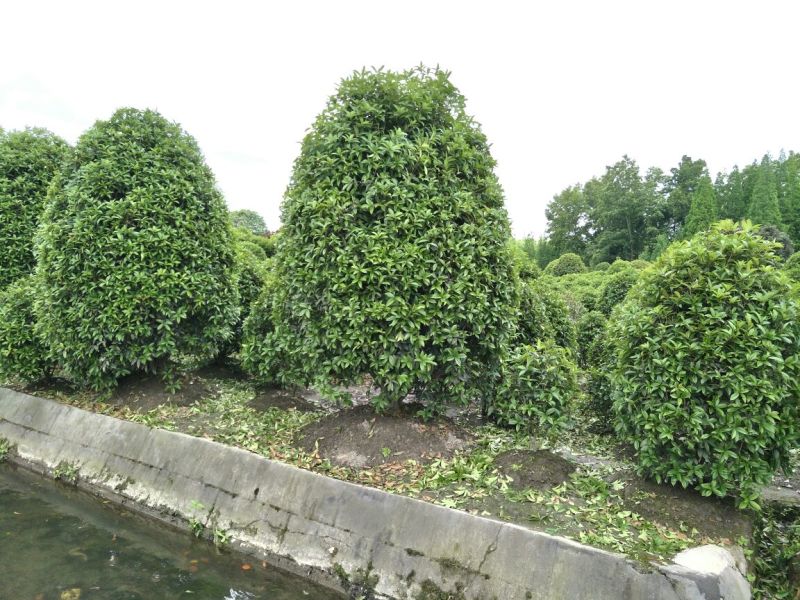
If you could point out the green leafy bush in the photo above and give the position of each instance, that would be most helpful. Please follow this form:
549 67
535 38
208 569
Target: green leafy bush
601 266
565 265
616 289
265 242
28 161
392 260
250 272
792 266
23 356
543 315
526 267
583 287
135 252
639 264
708 375
538 384
590 329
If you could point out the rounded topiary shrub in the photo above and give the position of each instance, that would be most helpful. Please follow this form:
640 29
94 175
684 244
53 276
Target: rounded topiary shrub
135 252
601 266
28 161
616 288
543 315
708 364
539 382
23 355
565 265
392 260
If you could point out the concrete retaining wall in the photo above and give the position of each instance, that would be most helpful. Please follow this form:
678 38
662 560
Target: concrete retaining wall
401 547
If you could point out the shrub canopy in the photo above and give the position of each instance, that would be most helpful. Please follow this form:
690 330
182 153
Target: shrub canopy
539 383
23 356
565 264
28 161
135 252
393 257
707 384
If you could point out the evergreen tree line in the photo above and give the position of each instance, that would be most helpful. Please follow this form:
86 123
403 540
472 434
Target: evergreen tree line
628 214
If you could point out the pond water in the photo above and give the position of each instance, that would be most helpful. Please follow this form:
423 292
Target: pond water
60 544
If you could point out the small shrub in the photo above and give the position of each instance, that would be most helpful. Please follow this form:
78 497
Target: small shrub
393 258
601 266
266 243
544 315
708 364
590 329
538 384
134 252
565 265
618 265
639 264
250 274
616 289
525 267
23 355
28 161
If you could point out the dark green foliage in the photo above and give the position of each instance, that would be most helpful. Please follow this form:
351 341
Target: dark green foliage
703 210
707 382
599 369
764 208
601 266
23 356
135 252
773 234
250 271
615 289
565 264
792 266
538 384
248 220
393 260
543 315
28 161
776 560
590 329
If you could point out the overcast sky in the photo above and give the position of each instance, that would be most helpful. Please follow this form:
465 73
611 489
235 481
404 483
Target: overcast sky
561 89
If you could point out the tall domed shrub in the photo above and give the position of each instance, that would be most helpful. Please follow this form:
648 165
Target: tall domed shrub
707 387
135 252
393 258
566 264
28 161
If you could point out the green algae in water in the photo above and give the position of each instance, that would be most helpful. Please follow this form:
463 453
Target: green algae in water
54 541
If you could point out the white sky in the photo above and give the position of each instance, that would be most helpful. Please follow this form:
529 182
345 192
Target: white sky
562 89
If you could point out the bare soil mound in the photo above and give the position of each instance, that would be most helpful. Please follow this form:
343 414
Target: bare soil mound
282 399
358 437
537 469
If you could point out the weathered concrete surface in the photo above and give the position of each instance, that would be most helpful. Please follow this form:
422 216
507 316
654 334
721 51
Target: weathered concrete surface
398 544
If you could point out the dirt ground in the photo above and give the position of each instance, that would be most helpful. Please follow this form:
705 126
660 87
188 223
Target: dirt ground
357 437
282 399
536 469
146 392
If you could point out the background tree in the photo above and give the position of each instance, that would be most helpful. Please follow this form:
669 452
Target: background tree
703 211
393 260
568 222
249 220
28 161
764 207
135 253
680 189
